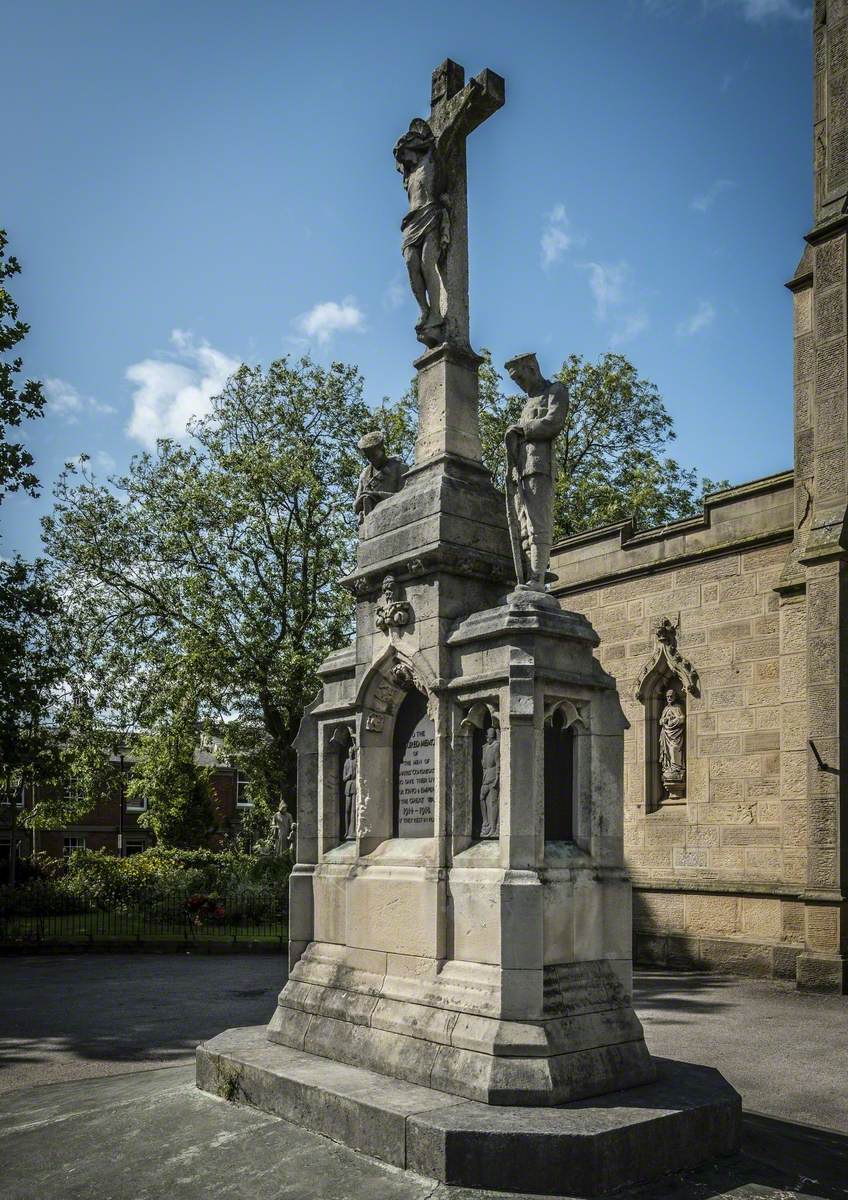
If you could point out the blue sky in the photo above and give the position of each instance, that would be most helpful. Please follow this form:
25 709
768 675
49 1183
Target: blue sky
189 185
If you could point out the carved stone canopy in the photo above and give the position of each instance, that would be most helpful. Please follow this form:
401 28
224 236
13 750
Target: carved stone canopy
572 714
666 655
476 715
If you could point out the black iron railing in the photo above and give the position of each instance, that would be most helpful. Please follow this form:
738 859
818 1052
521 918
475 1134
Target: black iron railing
34 915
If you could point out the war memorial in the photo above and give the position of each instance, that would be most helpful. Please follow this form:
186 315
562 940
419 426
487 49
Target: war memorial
459 991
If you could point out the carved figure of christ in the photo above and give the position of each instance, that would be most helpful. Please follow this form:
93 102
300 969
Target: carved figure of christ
432 159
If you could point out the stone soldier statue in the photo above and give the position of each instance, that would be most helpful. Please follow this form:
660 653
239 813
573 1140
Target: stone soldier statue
426 227
349 779
672 743
283 827
381 478
491 787
530 469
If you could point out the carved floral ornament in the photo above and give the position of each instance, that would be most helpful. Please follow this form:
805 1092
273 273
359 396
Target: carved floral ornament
391 612
666 653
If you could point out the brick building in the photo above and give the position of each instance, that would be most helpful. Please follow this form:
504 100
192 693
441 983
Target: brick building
739 857
113 824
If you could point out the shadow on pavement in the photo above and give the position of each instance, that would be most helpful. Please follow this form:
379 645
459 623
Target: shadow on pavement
66 1017
682 993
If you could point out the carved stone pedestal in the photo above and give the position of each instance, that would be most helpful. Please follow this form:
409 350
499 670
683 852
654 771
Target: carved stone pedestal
498 970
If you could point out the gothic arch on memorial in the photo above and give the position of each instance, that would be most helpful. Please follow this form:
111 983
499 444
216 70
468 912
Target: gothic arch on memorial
339 741
395 685
476 718
562 724
662 687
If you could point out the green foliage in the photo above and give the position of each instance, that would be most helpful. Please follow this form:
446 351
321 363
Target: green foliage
18 402
612 465
218 562
177 791
95 879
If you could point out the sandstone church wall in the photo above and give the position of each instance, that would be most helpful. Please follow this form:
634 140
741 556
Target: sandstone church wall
718 878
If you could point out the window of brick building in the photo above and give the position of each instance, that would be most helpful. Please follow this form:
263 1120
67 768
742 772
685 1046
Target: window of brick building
137 804
69 844
134 847
73 793
243 799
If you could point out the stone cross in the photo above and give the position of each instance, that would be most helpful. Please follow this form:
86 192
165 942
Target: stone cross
456 109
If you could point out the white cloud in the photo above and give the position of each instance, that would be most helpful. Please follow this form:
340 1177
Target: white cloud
701 319
329 317
754 11
632 325
613 294
395 294
556 236
708 198
762 10
67 402
104 461
606 283
168 394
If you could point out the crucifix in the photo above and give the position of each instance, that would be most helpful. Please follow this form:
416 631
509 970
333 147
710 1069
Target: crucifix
431 158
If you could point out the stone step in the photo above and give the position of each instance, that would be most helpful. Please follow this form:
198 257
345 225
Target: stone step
689 1116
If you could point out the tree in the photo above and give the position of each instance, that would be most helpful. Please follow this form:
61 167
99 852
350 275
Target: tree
18 402
610 454
218 562
52 750
177 791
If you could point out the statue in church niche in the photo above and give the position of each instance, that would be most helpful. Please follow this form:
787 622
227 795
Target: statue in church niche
350 788
672 744
530 470
426 227
382 477
490 789
391 612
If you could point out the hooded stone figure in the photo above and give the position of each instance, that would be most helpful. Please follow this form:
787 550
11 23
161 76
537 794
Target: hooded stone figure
382 476
531 468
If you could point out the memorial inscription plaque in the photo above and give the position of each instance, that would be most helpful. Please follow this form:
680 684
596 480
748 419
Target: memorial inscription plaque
415 769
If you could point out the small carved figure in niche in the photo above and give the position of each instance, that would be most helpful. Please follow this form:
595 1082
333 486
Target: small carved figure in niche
672 744
381 478
391 611
283 830
530 469
490 789
349 778
426 227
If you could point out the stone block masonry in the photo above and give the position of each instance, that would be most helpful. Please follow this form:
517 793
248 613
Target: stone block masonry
722 880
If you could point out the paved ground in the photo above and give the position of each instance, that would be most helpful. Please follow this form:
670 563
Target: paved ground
150 1134
76 1015
786 1053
